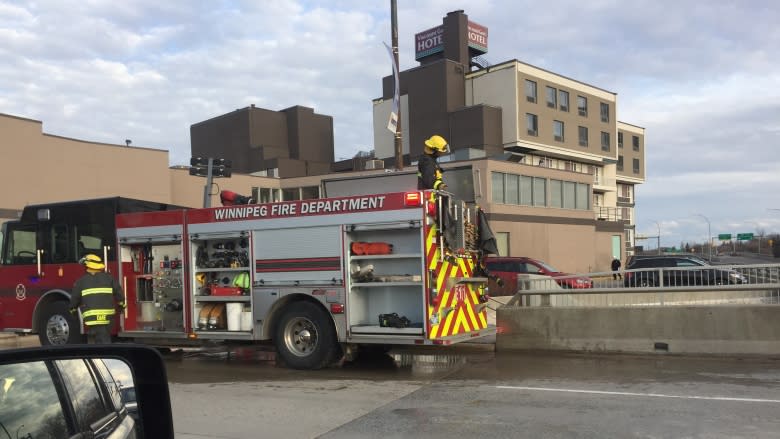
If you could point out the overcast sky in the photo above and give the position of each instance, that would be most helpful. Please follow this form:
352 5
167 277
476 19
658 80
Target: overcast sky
703 78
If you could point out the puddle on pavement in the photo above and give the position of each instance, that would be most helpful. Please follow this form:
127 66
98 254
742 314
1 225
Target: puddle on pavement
250 364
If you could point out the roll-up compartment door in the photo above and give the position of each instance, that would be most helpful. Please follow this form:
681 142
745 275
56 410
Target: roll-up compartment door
310 255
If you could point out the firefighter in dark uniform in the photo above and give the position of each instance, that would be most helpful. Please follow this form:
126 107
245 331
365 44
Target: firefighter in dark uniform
95 293
428 170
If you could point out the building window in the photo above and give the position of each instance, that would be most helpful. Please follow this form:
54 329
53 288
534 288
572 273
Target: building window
583 134
519 190
563 100
551 97
526 190
604 141
532 122
291 194
266 195
620 140
511 189
502 243
582 105
498 187
310 192
635 142
558 130
620 163
530 91
540 191
582 192
569 195
556 193
636 166
604 112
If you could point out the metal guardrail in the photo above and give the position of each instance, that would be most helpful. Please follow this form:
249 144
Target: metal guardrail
708 285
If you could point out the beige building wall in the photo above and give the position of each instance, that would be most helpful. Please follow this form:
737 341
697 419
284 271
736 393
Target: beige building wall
39 168
187 190
569 239
629 153
504 86
499 89
42 168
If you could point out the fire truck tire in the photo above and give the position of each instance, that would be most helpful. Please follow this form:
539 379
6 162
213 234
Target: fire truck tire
57 326
305 337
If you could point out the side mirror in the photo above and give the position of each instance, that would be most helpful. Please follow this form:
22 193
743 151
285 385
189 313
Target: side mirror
84 390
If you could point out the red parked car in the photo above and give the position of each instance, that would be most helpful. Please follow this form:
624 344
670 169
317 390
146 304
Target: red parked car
507 268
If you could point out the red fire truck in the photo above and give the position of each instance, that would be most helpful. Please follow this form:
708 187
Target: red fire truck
318 277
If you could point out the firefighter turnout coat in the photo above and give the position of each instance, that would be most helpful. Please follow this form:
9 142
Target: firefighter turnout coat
96 292
428 173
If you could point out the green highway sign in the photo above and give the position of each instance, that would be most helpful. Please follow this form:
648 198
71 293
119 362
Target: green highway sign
744 236
724 236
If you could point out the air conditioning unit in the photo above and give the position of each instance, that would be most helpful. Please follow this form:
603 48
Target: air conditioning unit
375 164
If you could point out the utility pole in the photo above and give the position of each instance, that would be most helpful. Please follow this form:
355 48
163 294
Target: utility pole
210 168
399 154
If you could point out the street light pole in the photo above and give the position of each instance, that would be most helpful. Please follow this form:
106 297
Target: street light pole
709 234
658 237
758 226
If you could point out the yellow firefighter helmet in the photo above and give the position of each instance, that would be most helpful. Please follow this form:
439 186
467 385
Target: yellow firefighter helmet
437 143
93 262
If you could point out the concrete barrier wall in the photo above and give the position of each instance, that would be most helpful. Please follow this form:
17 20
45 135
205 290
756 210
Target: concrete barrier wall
720 330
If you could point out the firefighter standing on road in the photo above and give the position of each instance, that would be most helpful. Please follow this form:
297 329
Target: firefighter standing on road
428 170
95 293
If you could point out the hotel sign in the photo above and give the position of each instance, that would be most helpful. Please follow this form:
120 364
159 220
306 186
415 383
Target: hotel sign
478 37
431 41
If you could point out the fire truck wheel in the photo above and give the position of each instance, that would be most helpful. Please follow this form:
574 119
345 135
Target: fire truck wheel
305 337
57 326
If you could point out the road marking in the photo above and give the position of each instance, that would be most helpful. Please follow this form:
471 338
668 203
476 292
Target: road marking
654 395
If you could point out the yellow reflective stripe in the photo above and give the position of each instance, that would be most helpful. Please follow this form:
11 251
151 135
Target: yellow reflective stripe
97 312
101 290
97 322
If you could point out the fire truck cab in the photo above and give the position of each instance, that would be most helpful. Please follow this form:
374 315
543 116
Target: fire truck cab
39 262
317 277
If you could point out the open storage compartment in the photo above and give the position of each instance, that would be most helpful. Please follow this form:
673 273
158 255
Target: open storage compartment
153 272
385 264
221 284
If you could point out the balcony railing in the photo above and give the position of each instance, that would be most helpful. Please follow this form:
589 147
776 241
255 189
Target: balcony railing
603 213
554 163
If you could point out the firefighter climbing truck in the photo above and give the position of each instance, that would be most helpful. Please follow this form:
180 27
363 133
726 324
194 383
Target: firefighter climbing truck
318 277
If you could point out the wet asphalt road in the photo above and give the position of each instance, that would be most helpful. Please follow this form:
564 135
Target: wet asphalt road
452 393
478 394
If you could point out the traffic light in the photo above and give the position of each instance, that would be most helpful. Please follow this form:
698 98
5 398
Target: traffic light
199 166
